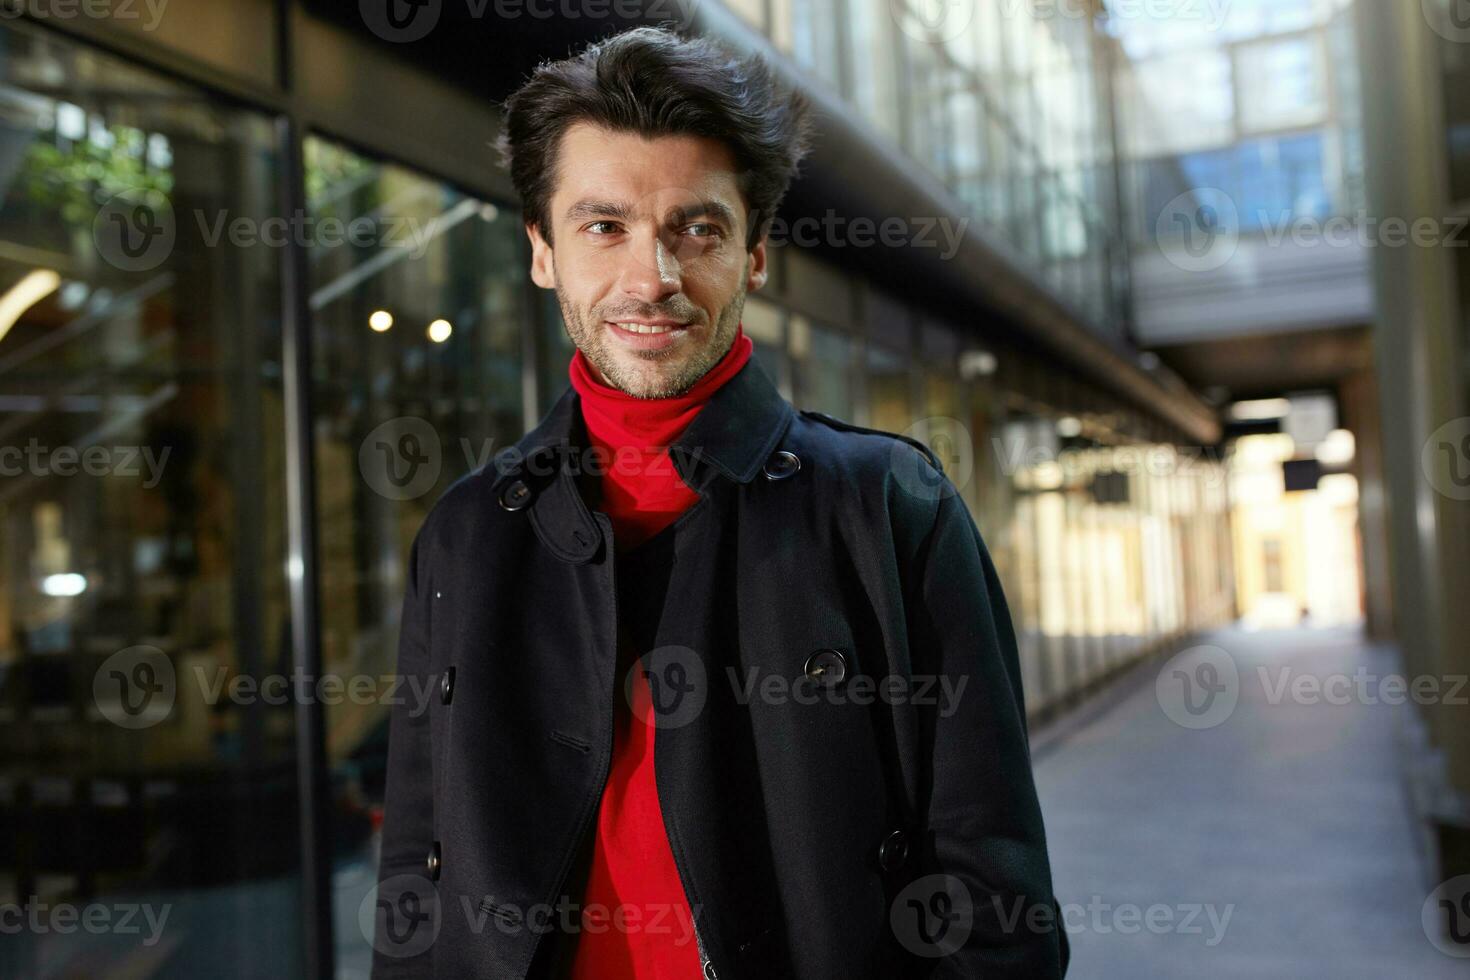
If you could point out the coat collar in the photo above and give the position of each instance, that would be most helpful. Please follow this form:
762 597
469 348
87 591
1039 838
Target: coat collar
733 434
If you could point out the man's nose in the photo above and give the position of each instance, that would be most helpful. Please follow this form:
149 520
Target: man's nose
651 270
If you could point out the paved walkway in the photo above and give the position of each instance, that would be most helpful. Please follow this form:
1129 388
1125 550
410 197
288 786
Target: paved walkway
1273 840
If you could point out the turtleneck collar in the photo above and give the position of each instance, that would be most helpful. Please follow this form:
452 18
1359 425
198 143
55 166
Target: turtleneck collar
615 418
643 498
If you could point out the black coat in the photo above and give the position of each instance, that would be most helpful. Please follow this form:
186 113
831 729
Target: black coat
831 812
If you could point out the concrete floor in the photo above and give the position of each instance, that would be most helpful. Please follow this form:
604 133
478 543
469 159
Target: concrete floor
1289 817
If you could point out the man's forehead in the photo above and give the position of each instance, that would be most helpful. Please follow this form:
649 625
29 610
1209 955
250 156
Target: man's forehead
645 174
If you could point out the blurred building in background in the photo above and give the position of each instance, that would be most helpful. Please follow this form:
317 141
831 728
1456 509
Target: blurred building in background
265 297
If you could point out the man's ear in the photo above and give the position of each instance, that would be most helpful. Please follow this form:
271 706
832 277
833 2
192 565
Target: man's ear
756 274
543 268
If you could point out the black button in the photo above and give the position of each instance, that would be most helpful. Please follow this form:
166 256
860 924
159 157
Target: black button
516 495
781 465
827 667
433 863
894 851
446 685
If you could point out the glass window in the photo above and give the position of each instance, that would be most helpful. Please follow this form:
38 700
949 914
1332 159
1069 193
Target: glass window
966 154
999 197
763 322
814 42
417 324
822 359
142 532
874 86
753 12
890 389
929 84
1155 96
782 17
1282 83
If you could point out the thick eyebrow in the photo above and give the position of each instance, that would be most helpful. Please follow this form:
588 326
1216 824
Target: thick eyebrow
705 209
599 209
621 212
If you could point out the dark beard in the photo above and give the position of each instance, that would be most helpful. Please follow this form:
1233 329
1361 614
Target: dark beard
585 331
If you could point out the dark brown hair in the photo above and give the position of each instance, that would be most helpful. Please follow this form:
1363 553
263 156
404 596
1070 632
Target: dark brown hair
653 82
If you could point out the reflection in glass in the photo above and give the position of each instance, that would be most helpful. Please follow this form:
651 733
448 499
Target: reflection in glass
142 537
417 321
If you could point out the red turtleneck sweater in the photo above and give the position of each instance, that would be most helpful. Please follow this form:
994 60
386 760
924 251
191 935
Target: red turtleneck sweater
632 866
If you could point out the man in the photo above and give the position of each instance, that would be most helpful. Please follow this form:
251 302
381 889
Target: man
798 613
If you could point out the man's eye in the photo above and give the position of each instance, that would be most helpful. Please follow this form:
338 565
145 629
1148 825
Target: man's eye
602 228
701 229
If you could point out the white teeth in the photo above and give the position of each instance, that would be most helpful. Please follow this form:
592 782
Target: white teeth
643 328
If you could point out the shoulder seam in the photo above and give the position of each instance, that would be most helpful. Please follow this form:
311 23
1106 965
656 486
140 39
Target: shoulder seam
837 423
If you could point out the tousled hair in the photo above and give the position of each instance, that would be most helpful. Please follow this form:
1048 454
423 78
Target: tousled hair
652 82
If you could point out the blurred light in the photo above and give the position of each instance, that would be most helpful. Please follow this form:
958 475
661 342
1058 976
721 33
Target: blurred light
1261 410
73 295
1069 427
64 584
1338 449
1047 476
380 320
71 121
1149 361
1264 450
1338 489
439 331
489 212
977 364
36 286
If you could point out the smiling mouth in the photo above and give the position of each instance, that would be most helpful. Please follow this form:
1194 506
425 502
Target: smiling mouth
632 326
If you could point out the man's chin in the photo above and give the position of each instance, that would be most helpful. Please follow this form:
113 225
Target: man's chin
648 378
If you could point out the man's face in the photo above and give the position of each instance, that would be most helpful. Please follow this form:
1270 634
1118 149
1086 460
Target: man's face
649 265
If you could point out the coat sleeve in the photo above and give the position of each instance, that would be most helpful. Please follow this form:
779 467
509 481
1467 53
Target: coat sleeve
402 937
983 835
